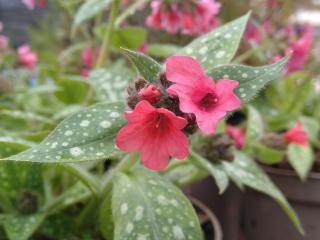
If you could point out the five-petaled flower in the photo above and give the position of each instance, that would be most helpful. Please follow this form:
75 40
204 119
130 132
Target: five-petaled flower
154 132
27 56
199 94
297 135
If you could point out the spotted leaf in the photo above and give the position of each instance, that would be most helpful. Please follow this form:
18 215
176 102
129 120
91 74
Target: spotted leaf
21 227
301 158
219 46
146 66
251 79
86 135
255 126
110 84
215 169
148 207
245 171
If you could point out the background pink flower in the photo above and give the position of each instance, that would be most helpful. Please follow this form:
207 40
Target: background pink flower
199 94
155 133
31 4
27 57
297 135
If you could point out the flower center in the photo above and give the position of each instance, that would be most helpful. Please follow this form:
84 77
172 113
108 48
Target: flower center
160 119
208 101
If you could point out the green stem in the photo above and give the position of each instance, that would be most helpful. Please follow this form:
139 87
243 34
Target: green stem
129 11
107 37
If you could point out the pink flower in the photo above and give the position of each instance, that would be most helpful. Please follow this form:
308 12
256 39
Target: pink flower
143 48
87 56
31 4
171 20
206 11
155 133
154 20
237 135
4 42
84 72
150 93
189 24
199 94
300 50
27 57
297 135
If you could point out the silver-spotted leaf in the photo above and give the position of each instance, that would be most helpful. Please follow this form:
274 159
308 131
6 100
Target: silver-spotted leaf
251 79
148 68
245 171
86 135
219 46
146 206
110 84
21 227
301 158
215 170
255 125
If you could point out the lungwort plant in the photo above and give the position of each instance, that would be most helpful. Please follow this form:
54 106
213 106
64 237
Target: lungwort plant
99 164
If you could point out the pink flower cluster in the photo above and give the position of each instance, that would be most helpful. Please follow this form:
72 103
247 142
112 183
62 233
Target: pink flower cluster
189 17
254 34
31 4
27 57
300 50
158 132
4 42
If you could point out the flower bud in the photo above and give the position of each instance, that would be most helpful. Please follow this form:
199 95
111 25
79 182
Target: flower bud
150 93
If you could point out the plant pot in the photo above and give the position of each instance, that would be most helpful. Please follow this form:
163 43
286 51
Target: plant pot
265 220
226 206
208 220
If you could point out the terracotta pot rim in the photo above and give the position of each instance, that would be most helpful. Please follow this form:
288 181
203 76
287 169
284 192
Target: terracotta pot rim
289 173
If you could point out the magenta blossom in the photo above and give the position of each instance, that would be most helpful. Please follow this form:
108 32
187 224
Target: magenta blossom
238 135
27 57
31 4
297 135
192 18
150 93
300 49
4 42
87 56
199 94
156 133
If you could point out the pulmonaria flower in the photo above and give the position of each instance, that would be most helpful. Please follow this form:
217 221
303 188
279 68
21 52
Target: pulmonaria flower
237 135
150 93
143 48
199 94
296 135
155 133
31 4
254 34
84 72
300 49
27 57
188 17
87 56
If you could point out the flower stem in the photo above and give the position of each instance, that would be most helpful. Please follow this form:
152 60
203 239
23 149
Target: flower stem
109 31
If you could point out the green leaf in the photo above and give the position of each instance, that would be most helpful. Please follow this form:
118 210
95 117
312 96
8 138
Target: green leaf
301 158
267 155
219 46
244 170
146 206
146 66
72 91
111 84
312 127
128 37
255 126
89 9
105 218
21 227
251 79
215 169
13 145
87 135
162 50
